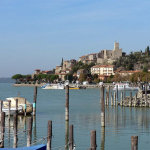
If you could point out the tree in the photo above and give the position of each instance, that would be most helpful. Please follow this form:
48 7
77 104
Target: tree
147 51
69 77
82 77
62 62
17 77
54 77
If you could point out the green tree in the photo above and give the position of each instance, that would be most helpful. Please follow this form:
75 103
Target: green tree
69 77
82 77
147 51
62 62
17 77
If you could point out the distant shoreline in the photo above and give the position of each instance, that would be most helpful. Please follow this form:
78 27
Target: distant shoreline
39 85
30 85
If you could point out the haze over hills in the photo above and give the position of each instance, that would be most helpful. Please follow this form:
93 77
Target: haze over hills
6 80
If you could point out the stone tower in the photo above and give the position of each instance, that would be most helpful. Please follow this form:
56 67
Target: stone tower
116 51
116 46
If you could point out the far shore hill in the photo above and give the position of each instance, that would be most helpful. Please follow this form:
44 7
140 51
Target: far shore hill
6 80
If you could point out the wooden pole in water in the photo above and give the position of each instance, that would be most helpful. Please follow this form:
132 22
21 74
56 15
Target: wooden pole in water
124 91
1 106
66 135
117 94
145 94
25 107
49 136
2 129
93 140
134 142
67 104
16 106
34 100
106 97
114 98
71 140
130 99
108 93
29 132
135 100
121 103
9 107
111 99
102 107
15 130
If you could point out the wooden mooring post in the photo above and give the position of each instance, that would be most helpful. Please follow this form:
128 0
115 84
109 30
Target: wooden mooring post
121 102
117 93
25 107
102 99
29 132
34 100
49 135
130 99
2 129
134 142
16 106
114 98
67 104
66 135
15 122
111 99
93 140
9 107
102 138
124 91
71 139
145 94
1 107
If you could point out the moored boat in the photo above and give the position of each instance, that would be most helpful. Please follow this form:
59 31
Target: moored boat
21 106
126 86
37 147
54 86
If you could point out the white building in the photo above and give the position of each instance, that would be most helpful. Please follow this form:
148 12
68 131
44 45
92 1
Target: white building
102 70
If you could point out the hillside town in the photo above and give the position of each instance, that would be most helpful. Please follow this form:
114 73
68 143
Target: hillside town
95 67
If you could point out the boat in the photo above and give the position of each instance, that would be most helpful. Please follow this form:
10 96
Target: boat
21 106
37 147
121 86
54 86
76 87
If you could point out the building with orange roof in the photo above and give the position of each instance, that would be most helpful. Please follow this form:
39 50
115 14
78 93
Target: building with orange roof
103 71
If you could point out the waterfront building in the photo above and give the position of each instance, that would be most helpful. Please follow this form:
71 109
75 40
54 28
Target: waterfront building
103 71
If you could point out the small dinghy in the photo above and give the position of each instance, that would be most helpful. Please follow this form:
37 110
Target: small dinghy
37 147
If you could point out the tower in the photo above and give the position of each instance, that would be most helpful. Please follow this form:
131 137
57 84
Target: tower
116 46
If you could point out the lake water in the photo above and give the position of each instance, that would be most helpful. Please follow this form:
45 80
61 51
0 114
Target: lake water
121 123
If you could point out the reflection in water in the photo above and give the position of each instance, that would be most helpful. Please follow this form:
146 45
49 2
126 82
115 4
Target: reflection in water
16 131
102 147
34 129
119 116
66 135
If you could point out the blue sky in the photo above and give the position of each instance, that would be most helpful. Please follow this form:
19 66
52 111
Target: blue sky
38 33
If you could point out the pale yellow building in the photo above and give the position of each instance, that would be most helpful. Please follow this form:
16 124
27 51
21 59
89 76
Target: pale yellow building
105 70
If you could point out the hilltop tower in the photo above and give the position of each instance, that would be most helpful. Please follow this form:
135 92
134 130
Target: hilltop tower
117 52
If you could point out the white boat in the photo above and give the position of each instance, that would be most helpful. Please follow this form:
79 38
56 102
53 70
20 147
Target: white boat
13 110
54 86
121 86
21 106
